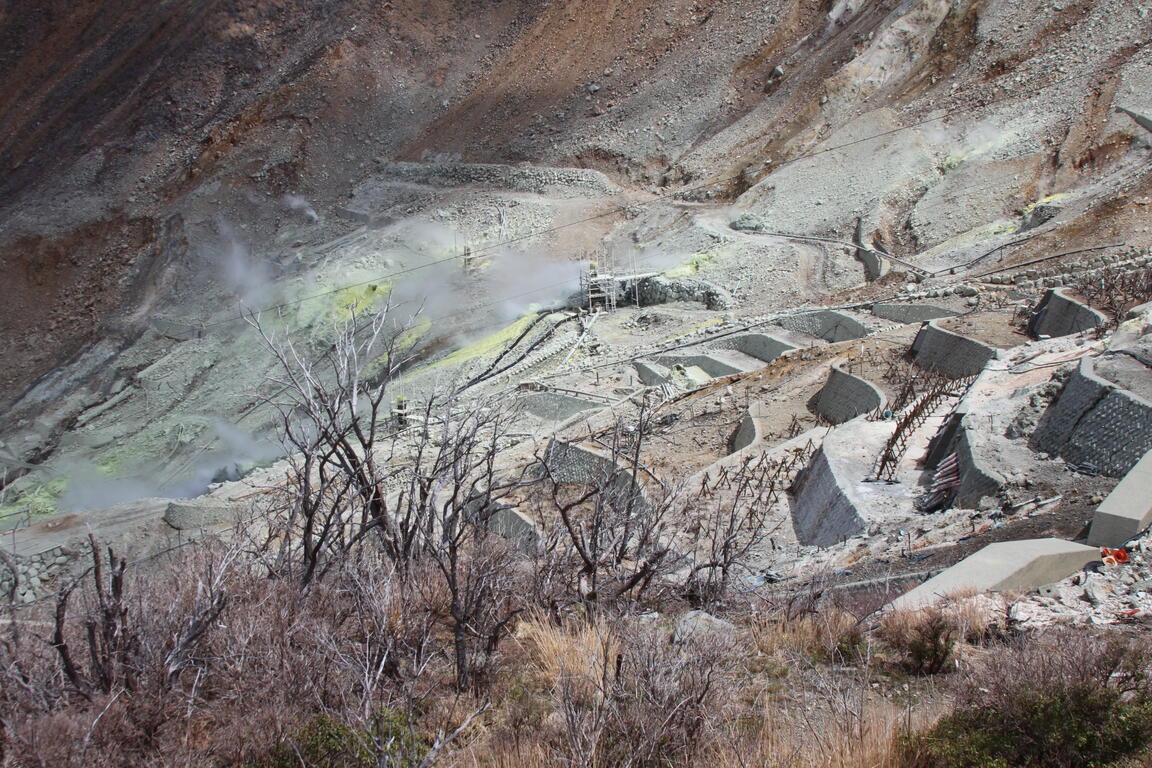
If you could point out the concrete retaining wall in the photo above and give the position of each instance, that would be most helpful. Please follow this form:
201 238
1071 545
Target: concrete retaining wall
650 374
759 345
1095 422
910 313
747 433
875 266
1015 565
976 480
827 324
1060 315
570 463
710 365
936 349
556 406
512 524
823 511
1128 509
845 397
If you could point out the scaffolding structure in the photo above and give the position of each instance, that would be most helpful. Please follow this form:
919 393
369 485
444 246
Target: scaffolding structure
599 288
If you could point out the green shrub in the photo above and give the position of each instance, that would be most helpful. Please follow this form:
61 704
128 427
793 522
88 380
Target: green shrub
326 742
1066 701
924 640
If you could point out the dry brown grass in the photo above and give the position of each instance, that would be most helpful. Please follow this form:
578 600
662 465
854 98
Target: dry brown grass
582 655
934 638
869 737
830 635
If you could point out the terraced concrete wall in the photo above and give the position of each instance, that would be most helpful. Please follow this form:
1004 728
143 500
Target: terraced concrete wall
976 480
712 366
936 349
875 267
1061 315
650 374
570 463
746 433
826 324
845 397
556 406
910 313
759 345
514 525
823 512
1095 422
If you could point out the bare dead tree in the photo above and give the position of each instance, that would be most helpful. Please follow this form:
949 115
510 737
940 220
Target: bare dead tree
609 532
1116 290
730 528
453 491
332 413
109 651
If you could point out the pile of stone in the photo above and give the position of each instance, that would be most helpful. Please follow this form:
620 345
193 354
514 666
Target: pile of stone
1113 590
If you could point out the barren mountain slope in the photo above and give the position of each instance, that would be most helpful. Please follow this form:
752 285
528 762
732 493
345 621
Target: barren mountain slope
151 148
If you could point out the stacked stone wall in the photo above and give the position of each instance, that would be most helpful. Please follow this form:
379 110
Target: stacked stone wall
936 349
1096 423
910 313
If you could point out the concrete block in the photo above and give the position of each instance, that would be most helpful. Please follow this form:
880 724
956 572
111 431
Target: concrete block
194 514
1008 565
1128 509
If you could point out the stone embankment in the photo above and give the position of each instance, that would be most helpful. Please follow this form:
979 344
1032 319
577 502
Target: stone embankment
1095 423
